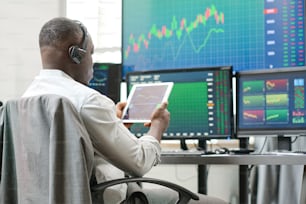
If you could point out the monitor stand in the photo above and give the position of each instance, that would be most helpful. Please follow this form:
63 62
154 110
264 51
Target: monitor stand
243 147
202 171
283 143
243 173
183 144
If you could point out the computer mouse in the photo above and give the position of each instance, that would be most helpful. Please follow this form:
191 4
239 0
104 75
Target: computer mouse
222 150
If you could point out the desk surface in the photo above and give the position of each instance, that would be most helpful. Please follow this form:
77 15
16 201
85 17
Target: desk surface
237 159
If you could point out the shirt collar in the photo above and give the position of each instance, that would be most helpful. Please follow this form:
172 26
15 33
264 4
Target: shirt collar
54 72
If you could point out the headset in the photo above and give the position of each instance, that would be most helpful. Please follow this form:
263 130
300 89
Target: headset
75 52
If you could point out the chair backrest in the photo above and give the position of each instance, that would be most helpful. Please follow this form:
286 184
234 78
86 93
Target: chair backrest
46 155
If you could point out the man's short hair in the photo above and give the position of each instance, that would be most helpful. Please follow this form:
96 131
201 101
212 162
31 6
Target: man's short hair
59 32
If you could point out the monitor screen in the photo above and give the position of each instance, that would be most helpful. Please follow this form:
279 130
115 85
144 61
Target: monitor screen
258 34
271 102
200 102
106 79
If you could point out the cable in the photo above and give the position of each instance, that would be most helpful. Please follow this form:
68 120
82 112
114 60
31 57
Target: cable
260 151
294 140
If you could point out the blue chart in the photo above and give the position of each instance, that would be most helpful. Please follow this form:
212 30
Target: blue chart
160 34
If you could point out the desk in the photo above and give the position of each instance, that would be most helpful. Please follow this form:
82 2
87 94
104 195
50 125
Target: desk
242 160
235 159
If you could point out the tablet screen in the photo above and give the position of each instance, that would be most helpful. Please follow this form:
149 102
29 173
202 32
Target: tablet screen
143 100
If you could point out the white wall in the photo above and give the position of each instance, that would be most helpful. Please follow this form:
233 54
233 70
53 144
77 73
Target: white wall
103 21
19 54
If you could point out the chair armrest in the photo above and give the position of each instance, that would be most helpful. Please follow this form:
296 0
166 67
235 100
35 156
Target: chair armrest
184 194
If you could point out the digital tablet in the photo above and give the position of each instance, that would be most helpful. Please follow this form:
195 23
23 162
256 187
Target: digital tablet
143 99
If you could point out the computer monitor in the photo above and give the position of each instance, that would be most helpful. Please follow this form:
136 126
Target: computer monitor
258 34
107 79
200 102
271 102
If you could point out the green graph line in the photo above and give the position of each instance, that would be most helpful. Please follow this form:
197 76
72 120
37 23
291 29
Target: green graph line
178 28
205 40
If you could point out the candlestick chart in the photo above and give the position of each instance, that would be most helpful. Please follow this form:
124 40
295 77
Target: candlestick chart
180 30
180 34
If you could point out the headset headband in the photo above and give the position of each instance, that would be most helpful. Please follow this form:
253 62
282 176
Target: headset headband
85 35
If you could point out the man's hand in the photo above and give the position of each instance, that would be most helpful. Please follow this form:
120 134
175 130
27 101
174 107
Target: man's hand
119 111
119 108
159 121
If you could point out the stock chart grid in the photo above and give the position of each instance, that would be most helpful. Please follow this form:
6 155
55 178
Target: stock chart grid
248 35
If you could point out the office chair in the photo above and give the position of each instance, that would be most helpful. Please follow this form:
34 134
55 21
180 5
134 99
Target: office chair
46 155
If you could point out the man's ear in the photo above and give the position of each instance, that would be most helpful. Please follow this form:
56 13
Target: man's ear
76 54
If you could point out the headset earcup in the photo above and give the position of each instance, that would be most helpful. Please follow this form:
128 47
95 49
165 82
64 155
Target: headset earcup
74 53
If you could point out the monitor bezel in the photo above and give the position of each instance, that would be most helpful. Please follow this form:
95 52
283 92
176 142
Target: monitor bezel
271 132
235 68
114 75
195 69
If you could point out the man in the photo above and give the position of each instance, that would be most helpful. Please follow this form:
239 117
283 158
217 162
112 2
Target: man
66 53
